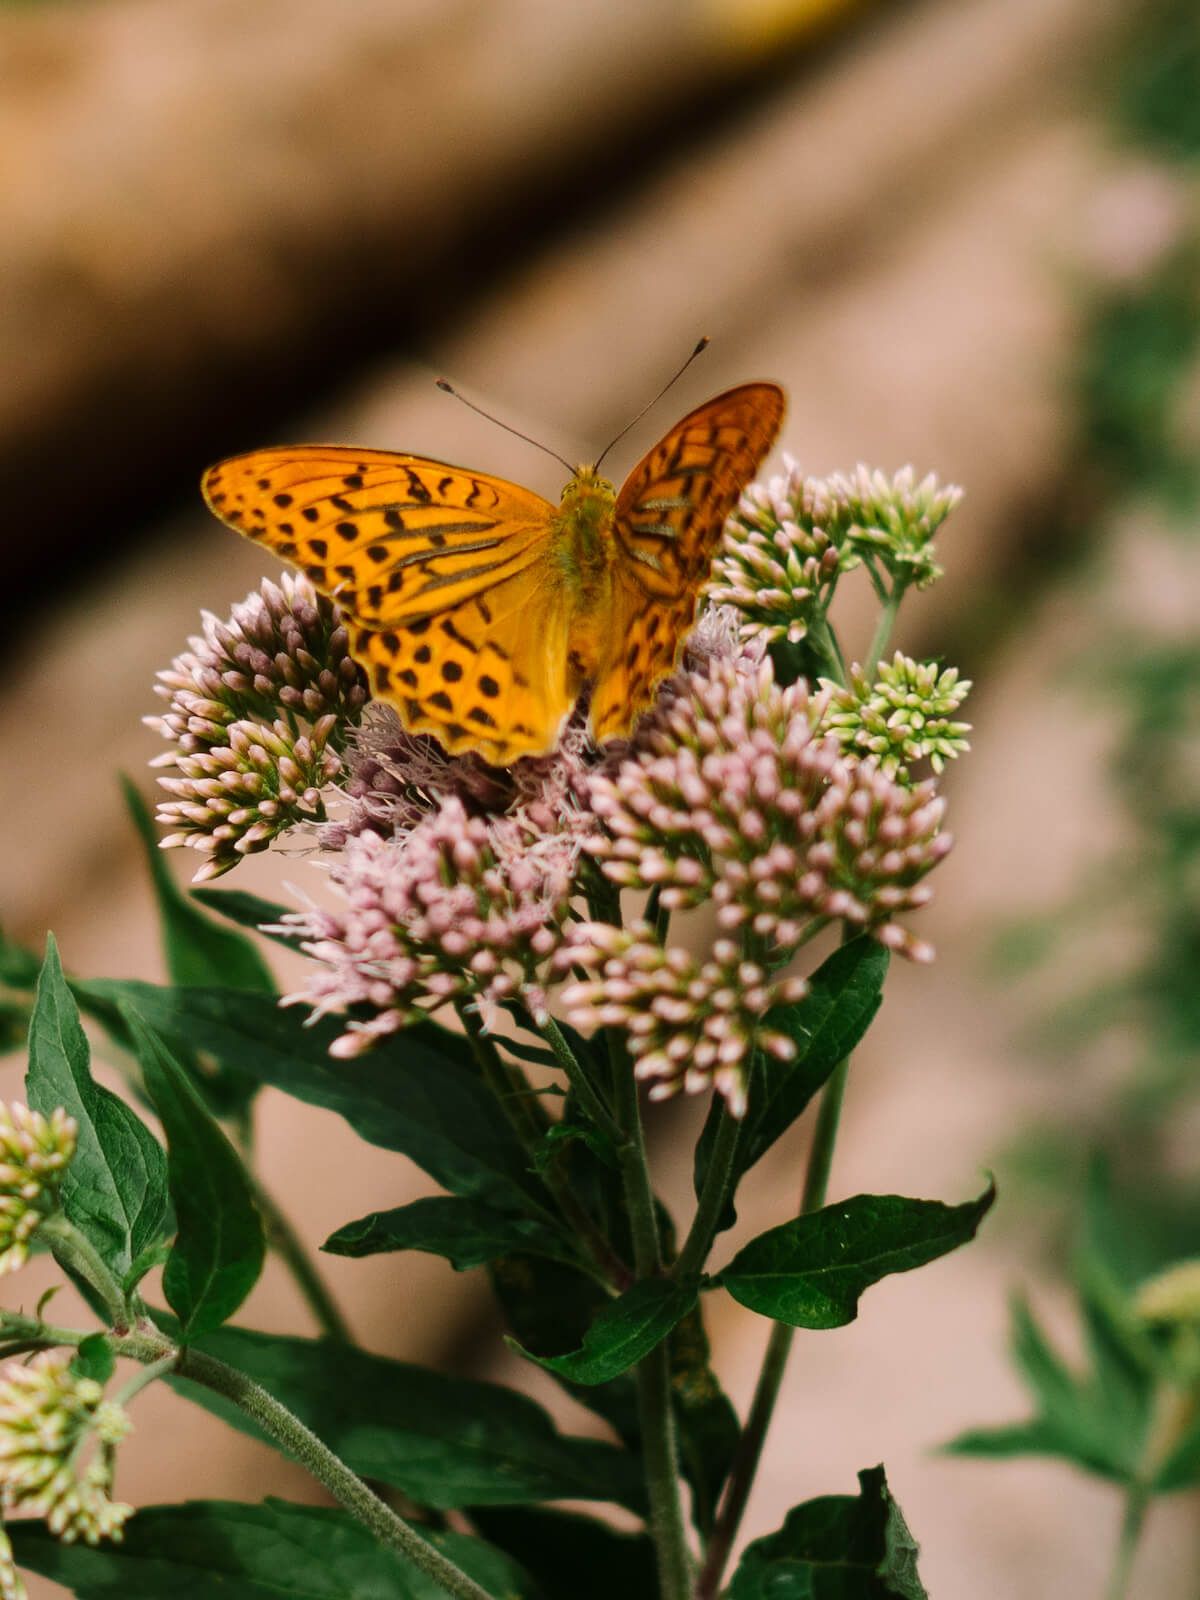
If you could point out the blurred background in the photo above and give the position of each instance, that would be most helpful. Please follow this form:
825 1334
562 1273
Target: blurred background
963 234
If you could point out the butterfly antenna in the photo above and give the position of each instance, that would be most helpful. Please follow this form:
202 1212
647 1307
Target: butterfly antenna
448 388
703 345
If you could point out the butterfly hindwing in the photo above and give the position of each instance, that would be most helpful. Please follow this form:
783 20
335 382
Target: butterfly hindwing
669 518
490 675
387 536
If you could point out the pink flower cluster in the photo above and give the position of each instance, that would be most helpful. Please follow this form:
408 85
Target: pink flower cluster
459 908
689 1024
737 798
257 710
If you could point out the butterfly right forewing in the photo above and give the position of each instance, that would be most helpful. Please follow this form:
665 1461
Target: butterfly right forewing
669 518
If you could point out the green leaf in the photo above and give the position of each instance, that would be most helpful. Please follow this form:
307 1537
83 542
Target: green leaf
845 992
219 1246
418 1092
444 1441
253 1552
840 1547
18 966
1034 1438
600 1561
1078 1419
547 1305
248 911
1180 1468
200 952
115 1190
94 1358
627 1329
809 1272
468 1233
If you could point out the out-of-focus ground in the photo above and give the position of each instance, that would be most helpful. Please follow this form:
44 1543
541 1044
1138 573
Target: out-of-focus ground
208 200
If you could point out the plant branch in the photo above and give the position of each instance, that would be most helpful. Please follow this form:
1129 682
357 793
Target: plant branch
76 1252
656 1415
515 1094
159 1355
714 1197
350 1492
1137 1501
591 1102
766 1391
883 631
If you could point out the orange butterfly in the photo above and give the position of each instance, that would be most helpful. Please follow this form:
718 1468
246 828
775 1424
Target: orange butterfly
478 609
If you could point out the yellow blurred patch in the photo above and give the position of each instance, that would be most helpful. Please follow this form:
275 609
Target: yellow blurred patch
759 27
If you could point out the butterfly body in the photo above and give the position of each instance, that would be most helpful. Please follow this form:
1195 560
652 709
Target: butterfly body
481 611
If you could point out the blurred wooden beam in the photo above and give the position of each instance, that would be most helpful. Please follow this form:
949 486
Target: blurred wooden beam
210 206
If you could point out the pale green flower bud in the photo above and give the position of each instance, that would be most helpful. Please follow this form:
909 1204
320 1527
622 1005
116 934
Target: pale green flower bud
34 1154
1172 1296
905 716
46 1415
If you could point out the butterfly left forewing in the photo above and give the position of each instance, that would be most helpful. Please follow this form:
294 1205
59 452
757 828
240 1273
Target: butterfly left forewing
667 526
388 536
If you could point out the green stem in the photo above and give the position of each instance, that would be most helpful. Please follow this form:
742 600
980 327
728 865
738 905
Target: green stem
820 1156
714 1196
287 1431
507 1082
824 640
515 1094
779 1345
1133 1519
350 1492
745 1461
1173 1414
883 632
591 1102
76 1252
148 1375
656 1415
287 1244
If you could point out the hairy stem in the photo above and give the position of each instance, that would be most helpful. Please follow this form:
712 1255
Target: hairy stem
656 1416
779 1345
350 1492
159 1356
76 1252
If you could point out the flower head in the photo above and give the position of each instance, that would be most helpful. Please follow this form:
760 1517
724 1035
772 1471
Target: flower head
458 908
690 1024
905 716
736 796
895 519
34 1154
46 1415
791 539
257 712
784 549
